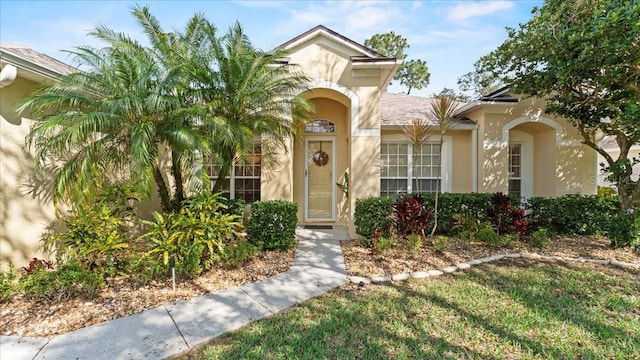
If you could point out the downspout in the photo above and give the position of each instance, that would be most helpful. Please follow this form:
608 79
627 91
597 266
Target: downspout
474 160
8 75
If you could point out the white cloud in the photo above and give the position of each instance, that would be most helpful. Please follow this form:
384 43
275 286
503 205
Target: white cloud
356 19
468 10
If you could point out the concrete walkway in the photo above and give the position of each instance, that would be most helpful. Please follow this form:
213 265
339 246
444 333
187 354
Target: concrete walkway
175 328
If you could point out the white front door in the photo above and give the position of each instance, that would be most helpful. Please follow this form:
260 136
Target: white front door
320 182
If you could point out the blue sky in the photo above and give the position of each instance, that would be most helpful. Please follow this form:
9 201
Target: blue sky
449 35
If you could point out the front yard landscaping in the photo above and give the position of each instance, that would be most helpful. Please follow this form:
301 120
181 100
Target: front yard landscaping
123 297
485 223
516 309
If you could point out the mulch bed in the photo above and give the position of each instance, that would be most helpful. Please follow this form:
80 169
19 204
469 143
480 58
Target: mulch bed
397 260
124 296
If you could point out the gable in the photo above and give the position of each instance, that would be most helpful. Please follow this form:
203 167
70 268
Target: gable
323 53
332 40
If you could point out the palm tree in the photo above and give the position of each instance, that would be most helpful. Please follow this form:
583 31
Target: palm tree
118 115
442 109
249 93
187 96
177 54
417 132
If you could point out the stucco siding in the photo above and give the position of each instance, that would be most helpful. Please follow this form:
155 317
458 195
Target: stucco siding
461 165
25 207
319 62
545 157
276 179
560 164
369 107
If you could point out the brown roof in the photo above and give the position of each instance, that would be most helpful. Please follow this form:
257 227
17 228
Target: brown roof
35 59
400 109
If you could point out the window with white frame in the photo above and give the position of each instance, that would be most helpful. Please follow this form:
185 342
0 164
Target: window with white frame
515 169
401 172
320 126
244 180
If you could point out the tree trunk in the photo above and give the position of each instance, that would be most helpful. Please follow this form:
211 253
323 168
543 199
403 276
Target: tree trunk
177 177
435 212
629 195
435 215
163 192
223 172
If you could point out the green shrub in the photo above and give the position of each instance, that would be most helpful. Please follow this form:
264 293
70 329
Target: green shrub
414 242
540 238
237 254
489 236
233 206
508 239
440 243
7 283
466 235
97 234
468 224
373 214
604 191
272 224
450 204
192 238
383 243
94 236
623 230
71 280
573 214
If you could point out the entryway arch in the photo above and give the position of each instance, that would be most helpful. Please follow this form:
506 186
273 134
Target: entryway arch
532 143
321 156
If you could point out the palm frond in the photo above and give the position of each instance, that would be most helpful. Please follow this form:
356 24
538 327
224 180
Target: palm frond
443 109
418 133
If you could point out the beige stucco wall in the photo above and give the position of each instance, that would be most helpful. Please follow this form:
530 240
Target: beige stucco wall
276 175
25 207
462 159
560 163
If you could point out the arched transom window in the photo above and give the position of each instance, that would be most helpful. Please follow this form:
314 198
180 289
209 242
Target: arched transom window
320 126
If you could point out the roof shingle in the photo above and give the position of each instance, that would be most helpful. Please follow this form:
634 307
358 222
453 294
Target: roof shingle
401 109
36 58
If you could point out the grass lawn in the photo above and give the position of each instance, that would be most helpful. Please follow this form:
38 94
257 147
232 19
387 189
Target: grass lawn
511 310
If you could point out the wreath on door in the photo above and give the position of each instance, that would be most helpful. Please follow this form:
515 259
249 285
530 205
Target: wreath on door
320 158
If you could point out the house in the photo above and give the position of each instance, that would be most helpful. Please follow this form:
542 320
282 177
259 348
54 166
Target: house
498 143
26 209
